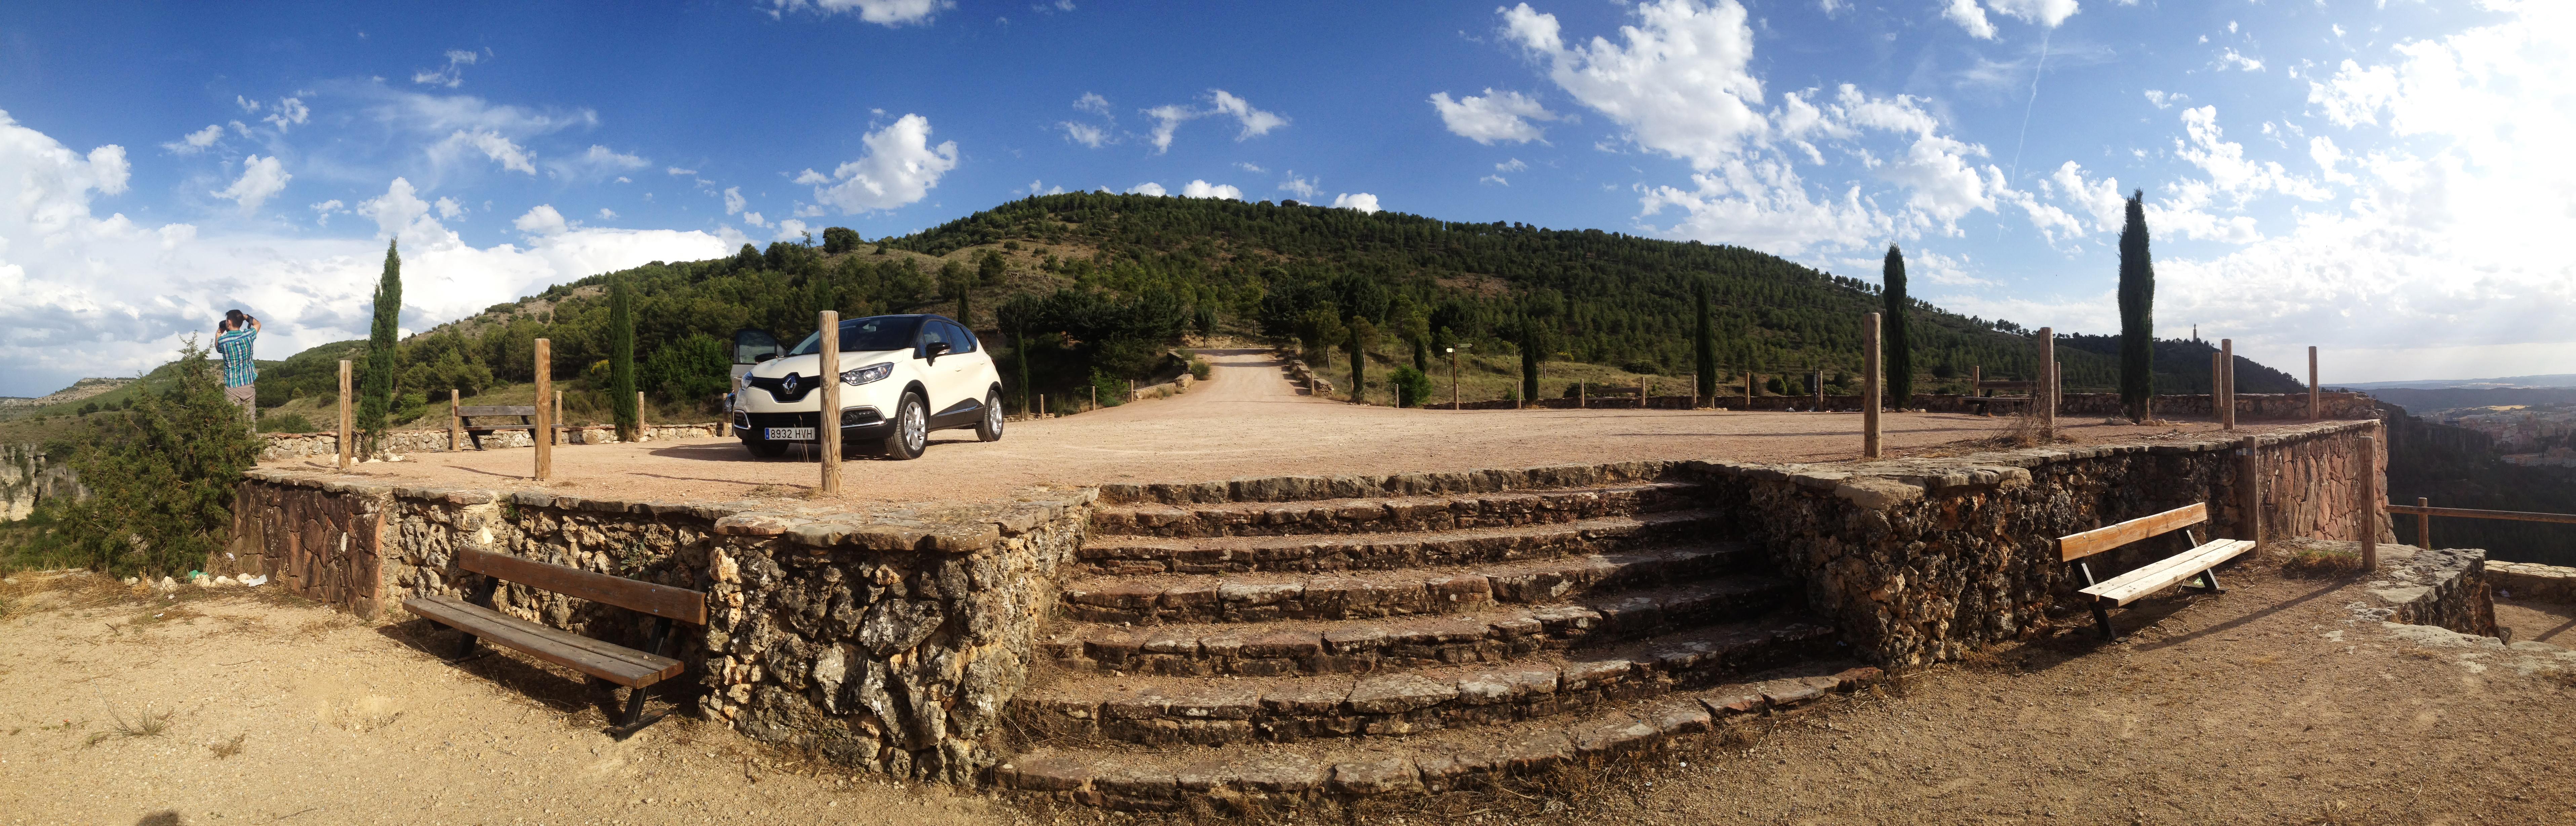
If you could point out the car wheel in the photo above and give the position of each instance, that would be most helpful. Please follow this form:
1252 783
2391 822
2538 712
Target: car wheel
989 428
765 448
911 429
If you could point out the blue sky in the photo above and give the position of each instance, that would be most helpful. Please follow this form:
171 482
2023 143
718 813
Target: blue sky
2384 180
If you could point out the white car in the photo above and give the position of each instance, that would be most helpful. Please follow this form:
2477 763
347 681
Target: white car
902 376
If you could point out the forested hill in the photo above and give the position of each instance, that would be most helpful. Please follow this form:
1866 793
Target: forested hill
1100 285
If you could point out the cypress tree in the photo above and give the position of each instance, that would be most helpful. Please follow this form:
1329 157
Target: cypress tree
1530 345
1363 334
2137 312
621 359
376 390
1704 344
1900 353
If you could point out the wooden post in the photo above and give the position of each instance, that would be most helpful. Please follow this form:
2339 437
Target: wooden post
1869 388
543 437
348 441
2227 360
1041 412
2312 383
455 424
2423 525
1819 386
2366 483
2217 400
828 423
1095 396
1748 391
2249 484
1453 378
1642 393
2045 394
1582 395
1694 402
639 415
556 434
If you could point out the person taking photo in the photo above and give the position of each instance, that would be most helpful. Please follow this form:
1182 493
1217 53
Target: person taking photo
233 339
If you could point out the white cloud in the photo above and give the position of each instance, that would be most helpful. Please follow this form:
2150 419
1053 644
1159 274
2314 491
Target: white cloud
1496 180
2230 172
754 219
806 210
1089 135
1249 166
790 230
261 178
1970 17
1497 116
323 211
606 214
448 209
109 170
2231 60
197 141
2099 200
1361 201
2047 13
1092 102
509 154
541 219
1202 189
900 167
1169 117
2166 100
596 163
2322 149
1298 186
289 112
1513 165
1680 81
1148 188
450 75
733 201
246 104
681 173
881 12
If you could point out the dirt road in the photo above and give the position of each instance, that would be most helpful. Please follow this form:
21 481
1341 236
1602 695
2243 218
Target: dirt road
1245 420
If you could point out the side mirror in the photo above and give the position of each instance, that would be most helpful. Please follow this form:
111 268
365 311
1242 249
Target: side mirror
936 349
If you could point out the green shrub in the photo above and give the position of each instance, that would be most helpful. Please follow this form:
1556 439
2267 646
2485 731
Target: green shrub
1200 369
691 370
1112 389
160 476
1412 388
286 423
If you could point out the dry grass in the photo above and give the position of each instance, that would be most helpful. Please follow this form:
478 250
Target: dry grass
230 747
146 724
2316 563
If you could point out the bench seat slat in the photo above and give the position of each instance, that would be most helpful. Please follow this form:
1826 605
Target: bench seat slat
658 600
623 666
2088 543
2163 573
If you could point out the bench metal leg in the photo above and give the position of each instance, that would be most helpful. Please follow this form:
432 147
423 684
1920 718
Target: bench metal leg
2208 582
633 720
2102 619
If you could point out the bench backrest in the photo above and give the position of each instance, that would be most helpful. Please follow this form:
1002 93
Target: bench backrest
2102 539
658 600
523 410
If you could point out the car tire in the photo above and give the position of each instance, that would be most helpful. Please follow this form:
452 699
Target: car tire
911 429
765 448
988 427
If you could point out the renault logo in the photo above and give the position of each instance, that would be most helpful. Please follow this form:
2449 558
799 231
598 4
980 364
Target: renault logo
787 385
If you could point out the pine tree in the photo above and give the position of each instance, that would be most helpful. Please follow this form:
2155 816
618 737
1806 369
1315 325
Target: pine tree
1532 341
1363 336
2137 312
376 390
1704 343
621 360
1900 353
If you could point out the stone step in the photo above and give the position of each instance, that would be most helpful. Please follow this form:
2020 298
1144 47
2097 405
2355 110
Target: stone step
1305 488
1305 648
1141 555
1165 711
1267 597
1384 515
1283 774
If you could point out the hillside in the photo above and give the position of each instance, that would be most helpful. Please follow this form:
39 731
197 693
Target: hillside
1102 284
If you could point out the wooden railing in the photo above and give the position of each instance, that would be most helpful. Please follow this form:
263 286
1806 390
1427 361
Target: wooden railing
2423 511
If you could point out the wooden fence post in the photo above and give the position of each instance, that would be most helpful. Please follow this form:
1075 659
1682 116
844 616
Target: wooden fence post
558 434
2423 525
2249 479
639 415
1748 391
1582 395
1869 388
1642 392
827 421
2366 484
455 424
2312 383
2227 360
1819 386
2044 394
543 437
348 442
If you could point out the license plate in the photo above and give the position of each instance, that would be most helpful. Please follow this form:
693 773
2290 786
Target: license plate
791 434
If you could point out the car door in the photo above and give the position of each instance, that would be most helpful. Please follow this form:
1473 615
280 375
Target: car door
938 375
967 375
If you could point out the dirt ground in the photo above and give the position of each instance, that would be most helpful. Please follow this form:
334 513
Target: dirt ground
1247 419
2268 704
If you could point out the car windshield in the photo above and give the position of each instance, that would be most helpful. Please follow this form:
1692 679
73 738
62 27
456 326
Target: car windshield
860 335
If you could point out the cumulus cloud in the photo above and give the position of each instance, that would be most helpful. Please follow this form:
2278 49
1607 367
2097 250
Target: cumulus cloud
288 112
1169 117
881 12
733 200
541 220
109 171
261 178
197 141
2166 100
2231 60
596 163
1361 201
96 293
1202 189
2047 13
900 167
1089 135
1298 186
680 173
1679 81
1970 17
323 211
1496 116
1148 188
491 144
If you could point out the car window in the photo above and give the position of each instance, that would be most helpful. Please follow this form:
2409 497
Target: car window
960 339
934 331
860 335
754 346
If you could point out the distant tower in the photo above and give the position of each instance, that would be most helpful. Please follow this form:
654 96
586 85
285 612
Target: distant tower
2195 332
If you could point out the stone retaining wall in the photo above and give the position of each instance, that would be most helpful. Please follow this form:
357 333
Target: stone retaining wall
2449 588
2532 581
2249 406
887 640
293 445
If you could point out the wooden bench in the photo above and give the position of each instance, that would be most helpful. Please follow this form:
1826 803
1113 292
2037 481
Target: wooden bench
465 416
2196 562
637 670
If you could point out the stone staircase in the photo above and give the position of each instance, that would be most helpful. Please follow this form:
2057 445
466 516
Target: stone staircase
1292 642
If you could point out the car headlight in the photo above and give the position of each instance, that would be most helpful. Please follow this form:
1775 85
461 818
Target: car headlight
867 374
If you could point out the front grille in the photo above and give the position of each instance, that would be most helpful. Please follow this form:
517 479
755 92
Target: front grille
764 420
804 386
